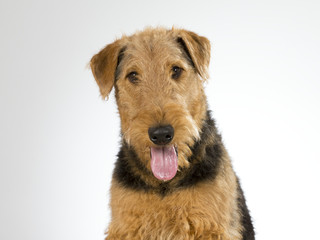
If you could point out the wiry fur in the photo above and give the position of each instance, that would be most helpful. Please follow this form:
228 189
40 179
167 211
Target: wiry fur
204 200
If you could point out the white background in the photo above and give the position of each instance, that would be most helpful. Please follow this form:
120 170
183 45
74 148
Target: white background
58 139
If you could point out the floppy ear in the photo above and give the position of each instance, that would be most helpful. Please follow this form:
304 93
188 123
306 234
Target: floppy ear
103 66
198 48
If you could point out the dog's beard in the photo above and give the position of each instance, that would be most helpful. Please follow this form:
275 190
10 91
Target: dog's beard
163 161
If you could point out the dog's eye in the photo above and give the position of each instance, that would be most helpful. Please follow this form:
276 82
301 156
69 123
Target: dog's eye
176 72
132 76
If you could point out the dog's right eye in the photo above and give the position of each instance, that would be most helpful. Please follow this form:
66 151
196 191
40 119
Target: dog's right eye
132 77
176 72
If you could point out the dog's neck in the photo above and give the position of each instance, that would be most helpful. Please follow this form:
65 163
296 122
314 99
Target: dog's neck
205 161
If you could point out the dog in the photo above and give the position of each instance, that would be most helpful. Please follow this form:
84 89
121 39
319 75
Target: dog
173 178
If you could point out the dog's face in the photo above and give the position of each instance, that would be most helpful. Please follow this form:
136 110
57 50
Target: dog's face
158 77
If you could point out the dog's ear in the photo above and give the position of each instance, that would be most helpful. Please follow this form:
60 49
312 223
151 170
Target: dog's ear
198 49
103 66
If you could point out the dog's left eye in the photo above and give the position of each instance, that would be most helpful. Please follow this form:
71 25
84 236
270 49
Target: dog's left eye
176 72
132 76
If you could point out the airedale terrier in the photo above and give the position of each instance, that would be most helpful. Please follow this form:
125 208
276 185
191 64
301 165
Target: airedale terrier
173 179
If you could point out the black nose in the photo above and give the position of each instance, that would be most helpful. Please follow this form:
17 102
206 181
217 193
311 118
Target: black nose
161 135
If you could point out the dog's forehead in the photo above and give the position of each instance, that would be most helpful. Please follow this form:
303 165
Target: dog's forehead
152 37
152 44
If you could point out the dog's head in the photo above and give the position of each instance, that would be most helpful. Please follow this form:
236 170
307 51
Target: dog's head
158 77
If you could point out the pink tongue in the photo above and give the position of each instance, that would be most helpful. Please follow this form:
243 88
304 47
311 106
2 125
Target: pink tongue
164 162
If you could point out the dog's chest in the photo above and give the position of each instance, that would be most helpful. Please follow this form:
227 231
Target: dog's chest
183 215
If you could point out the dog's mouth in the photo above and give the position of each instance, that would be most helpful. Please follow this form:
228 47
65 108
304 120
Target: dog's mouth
164 162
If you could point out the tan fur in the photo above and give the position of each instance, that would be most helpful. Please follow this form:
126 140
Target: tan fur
202 212
205 211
